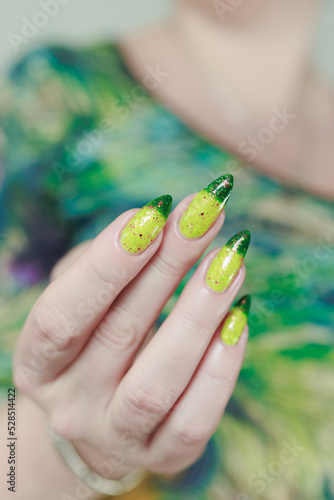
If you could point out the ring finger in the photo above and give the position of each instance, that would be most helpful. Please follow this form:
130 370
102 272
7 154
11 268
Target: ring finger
164 369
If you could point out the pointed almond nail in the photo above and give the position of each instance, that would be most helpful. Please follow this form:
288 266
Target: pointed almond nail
145 226
236 321
227 263
205 208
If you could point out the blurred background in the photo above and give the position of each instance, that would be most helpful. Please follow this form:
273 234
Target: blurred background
83 22
283 394
77 22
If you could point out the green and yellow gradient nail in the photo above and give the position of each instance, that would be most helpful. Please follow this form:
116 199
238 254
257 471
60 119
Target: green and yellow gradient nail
227 263
206 207
145 226
236 321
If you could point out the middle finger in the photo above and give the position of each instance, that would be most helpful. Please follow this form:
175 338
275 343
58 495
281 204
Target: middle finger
118 337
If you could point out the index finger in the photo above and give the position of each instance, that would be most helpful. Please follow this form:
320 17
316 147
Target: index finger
64 316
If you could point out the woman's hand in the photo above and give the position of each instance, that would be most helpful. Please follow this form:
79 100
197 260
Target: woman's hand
126 398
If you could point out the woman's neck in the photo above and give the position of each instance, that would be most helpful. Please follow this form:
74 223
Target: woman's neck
228 77
254 17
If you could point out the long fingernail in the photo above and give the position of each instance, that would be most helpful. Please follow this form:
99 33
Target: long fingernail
206 207
236 321
227 263
145 226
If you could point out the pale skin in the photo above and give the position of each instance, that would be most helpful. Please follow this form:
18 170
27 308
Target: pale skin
175 392
157 410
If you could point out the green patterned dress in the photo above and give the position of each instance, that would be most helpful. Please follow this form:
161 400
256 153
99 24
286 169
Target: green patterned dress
82 142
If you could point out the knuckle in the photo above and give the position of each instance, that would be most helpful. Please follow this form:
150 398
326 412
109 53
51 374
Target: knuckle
225 380
55 332
142 397
195 321
118 331
65 418
140 400
64 426
168 266
112 281
191 433
42 322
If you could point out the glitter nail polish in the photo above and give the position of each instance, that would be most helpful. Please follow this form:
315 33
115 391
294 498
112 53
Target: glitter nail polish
227 263
145 226
206 207
236 321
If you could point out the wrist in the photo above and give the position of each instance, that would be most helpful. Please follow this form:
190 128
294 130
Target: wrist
40 469
91 479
